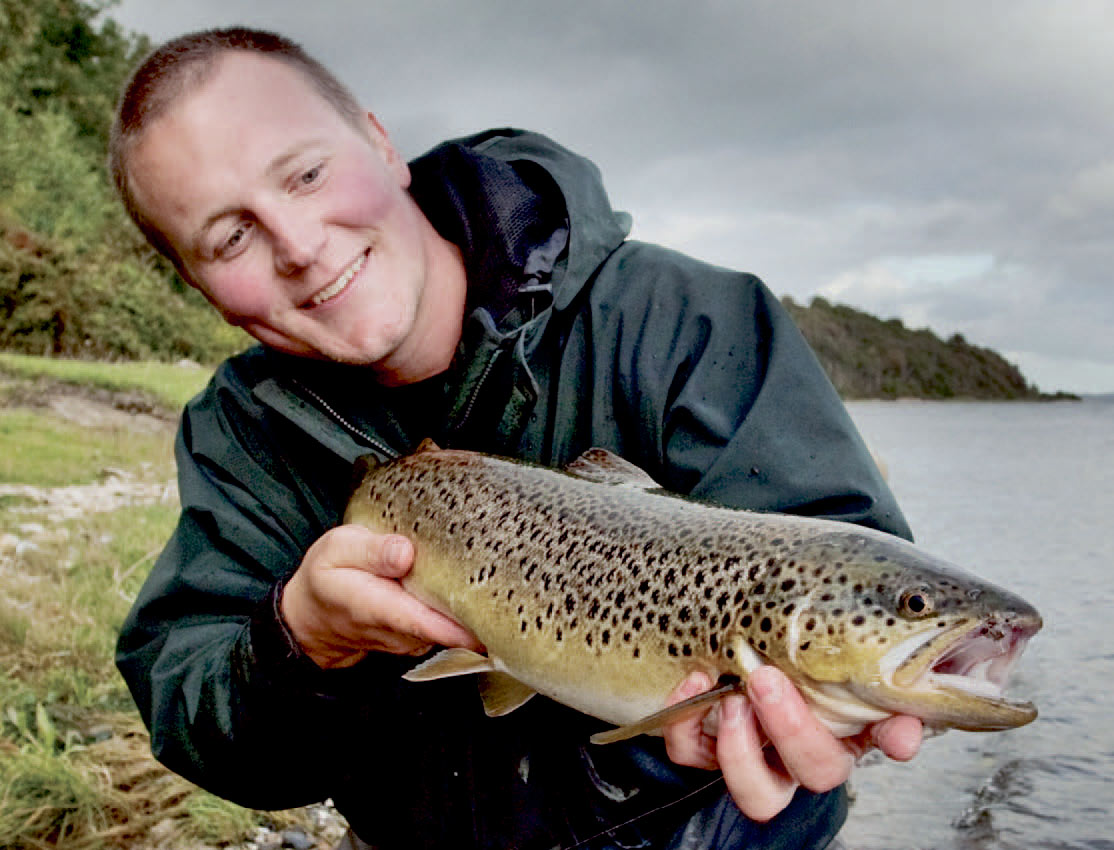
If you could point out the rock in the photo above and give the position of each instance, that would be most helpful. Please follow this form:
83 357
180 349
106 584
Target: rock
296 839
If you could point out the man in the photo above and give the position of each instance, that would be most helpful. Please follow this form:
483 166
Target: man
485 296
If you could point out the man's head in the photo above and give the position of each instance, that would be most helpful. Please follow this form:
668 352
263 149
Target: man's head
178 68
251 168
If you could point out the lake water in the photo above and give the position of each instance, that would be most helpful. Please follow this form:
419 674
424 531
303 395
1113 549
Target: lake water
1022 494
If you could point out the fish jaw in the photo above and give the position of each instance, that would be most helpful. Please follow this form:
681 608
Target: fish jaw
956 679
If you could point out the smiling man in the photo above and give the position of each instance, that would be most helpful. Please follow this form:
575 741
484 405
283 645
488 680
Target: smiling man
484 295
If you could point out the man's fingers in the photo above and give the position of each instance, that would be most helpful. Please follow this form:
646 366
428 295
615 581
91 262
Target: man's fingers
356 547
346 600
396 612
759 790
809 752
899 737
685 741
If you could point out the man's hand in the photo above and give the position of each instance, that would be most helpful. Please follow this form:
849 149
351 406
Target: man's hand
345 601
769 743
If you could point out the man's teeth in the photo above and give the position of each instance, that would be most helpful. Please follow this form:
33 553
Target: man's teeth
334 289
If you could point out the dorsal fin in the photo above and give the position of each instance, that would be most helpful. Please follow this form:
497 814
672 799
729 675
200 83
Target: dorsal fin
605 467
427 445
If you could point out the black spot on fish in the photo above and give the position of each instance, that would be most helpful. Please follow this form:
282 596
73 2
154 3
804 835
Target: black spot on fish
858 620
713 642
746 621
788 584
804 646
766 624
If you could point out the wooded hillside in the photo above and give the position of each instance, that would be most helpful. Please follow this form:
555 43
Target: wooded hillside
76 279
868 357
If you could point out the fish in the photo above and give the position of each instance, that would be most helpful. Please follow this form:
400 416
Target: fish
597 588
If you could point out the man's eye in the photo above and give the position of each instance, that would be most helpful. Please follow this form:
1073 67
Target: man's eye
235 238
311 175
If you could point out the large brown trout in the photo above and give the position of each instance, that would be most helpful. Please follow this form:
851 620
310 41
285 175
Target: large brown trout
593 586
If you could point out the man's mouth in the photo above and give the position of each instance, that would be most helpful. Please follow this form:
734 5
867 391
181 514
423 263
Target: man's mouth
340 284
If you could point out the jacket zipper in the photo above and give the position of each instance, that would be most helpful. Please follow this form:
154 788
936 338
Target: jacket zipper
475 394
371 441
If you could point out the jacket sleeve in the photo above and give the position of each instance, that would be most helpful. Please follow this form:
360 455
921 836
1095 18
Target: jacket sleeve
229 702
717 394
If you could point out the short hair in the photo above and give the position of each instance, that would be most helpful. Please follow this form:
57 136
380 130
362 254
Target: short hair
178 68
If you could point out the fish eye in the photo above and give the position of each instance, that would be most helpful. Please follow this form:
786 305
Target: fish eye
916 603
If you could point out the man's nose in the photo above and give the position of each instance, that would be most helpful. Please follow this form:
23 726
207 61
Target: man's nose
297 240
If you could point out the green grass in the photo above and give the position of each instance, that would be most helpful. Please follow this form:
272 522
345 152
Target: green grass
76 771
40 449
171 386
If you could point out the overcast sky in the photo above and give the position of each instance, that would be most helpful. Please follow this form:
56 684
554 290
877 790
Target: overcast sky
949 163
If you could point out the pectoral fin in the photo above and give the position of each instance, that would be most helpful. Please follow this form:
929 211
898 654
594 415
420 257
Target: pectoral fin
450 662
502 694
672 714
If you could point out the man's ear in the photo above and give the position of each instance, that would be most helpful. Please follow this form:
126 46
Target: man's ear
382 142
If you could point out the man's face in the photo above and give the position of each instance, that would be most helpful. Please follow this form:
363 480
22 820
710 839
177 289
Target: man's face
295 224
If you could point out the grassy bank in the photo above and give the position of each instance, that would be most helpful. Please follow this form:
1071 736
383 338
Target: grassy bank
165 385
75 767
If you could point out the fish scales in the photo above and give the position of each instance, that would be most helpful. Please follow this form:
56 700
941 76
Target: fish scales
598 589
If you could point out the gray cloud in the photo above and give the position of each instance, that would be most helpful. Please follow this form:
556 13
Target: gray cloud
825 147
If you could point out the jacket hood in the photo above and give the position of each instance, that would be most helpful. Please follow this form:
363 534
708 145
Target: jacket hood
595 229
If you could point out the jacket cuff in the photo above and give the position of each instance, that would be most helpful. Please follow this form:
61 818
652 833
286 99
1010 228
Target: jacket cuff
270 656
272 651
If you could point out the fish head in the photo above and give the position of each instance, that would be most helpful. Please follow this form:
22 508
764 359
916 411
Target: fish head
868 625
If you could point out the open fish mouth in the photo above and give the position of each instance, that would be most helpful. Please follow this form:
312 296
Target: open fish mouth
958 675
980 662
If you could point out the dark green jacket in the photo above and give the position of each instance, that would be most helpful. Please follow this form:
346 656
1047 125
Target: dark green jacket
695 373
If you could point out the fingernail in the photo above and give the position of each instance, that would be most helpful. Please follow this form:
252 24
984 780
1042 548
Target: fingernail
731 711
395 551
764 689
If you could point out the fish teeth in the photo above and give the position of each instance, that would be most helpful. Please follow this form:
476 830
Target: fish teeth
334 289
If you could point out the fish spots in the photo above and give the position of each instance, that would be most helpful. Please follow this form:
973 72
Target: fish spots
649 576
